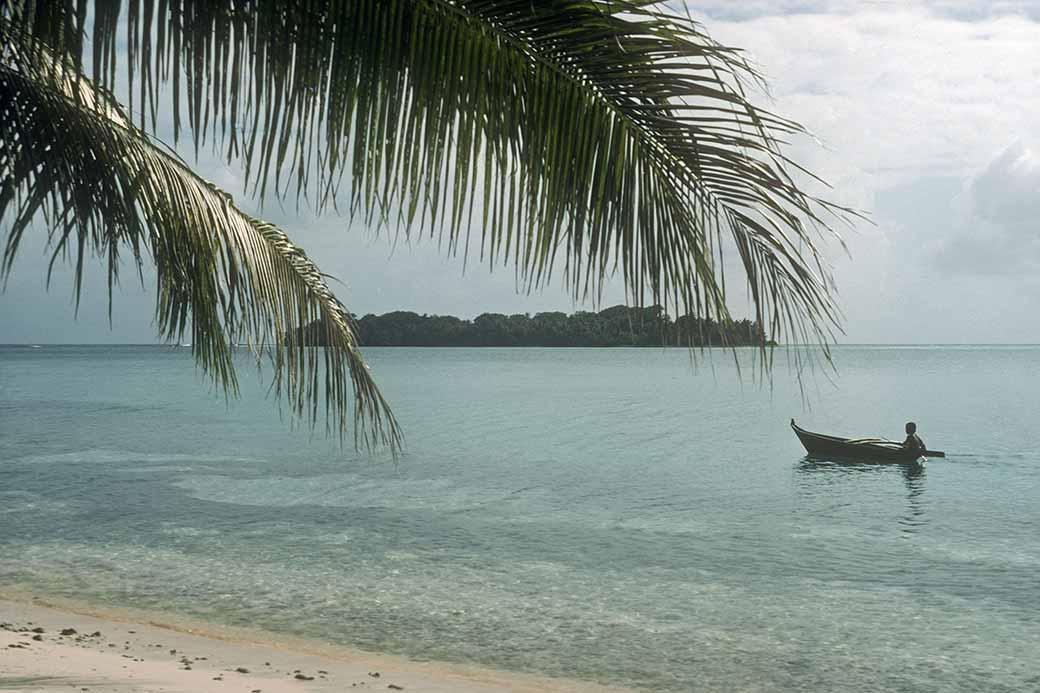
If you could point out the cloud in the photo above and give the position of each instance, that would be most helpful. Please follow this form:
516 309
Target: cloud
1007 192
996 227
966 10
896 92
913 102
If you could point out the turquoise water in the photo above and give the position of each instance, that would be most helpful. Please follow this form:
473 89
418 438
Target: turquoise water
612 515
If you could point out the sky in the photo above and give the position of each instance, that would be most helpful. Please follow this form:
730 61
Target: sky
925 115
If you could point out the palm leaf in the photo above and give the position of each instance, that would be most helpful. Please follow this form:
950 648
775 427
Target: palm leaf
612 137
69 153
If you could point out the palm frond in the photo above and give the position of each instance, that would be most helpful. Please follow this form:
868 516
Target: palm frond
613 136
69 153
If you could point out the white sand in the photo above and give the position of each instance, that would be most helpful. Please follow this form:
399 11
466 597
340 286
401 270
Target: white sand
146 652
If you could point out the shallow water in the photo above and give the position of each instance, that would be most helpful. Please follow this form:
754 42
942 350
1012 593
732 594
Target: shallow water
613 515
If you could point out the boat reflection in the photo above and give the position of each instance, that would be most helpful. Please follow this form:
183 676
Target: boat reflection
836 470
915 518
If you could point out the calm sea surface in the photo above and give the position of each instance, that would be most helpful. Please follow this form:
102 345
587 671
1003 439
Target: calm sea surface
612 515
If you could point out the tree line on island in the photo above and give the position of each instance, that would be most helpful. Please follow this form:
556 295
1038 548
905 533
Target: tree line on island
617 326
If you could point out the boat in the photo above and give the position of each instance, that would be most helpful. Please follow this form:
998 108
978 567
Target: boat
866 449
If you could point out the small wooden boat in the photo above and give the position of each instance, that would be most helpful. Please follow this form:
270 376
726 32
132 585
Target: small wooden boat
866 449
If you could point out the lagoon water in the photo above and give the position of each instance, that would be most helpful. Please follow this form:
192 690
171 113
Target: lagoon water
612 515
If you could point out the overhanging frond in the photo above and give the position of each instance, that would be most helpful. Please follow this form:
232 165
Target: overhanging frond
609 135
68 153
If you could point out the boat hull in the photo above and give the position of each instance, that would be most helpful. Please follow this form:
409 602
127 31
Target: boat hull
819 445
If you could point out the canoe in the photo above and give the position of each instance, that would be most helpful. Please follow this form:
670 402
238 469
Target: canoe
874 450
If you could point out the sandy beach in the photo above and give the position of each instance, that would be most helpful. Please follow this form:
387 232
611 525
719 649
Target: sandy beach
50 647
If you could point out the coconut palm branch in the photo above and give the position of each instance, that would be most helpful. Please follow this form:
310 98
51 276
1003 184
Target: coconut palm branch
584 139
69 154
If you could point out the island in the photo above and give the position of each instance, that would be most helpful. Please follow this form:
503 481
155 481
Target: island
617 326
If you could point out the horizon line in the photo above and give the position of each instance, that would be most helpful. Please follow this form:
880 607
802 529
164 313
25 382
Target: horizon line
721 346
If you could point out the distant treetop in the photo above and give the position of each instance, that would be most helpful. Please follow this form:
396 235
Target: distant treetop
617 326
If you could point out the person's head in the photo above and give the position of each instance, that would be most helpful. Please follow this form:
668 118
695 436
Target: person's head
911 428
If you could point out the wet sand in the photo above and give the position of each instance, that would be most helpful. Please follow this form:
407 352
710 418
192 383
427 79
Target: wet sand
44 648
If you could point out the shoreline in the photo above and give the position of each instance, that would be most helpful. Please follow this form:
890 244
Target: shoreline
54 644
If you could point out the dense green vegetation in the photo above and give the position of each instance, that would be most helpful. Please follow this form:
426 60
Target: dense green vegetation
613 327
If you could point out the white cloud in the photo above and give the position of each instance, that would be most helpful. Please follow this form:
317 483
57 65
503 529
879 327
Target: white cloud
1008 191
899 92
904 95
958 9
996 227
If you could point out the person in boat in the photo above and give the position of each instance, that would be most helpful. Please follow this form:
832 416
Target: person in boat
913 441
